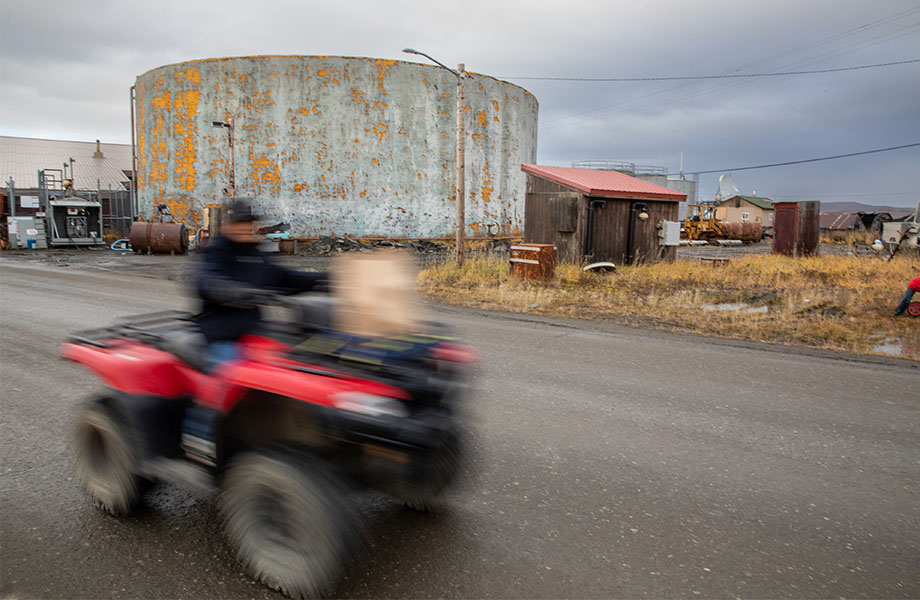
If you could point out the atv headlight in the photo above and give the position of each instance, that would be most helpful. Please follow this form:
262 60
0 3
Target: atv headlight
370 404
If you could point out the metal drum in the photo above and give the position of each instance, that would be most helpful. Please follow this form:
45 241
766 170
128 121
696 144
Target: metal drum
159 238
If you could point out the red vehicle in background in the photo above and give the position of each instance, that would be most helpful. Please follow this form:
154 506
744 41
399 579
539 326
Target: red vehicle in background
285 432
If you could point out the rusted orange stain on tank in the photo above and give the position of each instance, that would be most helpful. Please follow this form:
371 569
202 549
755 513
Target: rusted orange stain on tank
313 108
495 108
481 118
301 187
264 170
185 109
190 75
487 186
327 77
383 67
358 97
260 101
380 130
156 143
181 208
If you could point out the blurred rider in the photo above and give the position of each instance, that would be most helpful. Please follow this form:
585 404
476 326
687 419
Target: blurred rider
235 277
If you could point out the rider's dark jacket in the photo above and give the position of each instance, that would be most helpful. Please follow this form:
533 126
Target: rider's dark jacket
231 277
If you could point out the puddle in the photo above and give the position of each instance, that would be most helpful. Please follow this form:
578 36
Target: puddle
895 347
742 306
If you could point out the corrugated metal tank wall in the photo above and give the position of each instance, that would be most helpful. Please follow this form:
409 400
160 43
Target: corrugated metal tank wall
331 145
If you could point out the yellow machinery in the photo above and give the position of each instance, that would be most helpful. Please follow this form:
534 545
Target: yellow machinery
701 223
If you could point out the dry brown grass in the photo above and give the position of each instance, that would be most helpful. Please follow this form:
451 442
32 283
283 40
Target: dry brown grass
835 302
849 238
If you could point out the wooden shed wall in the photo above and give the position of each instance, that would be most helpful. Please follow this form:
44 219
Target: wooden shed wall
611 231
554 214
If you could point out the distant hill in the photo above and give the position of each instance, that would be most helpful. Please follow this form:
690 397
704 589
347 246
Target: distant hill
896 211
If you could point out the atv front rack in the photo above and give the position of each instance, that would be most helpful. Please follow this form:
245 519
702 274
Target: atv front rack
147 327
404 361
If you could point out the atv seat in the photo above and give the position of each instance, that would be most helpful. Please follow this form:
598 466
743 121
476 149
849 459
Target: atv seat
188 343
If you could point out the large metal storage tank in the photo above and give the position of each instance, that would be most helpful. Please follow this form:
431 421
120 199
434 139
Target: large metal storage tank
333 145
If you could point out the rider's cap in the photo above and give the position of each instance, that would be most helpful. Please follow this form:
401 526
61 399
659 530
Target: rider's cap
241 210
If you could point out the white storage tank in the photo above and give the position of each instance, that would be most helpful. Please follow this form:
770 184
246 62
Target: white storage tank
358 147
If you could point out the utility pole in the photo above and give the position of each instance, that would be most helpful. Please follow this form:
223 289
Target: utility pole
461 151
461 166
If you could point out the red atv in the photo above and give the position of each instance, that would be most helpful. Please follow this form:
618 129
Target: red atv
285 432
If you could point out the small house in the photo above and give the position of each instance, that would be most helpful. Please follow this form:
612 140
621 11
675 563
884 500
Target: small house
597 215
746 209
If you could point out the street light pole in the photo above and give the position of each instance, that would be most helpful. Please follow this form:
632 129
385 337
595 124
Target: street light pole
228 125
461 151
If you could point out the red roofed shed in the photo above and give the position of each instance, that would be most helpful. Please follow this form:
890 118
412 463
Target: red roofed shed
595 215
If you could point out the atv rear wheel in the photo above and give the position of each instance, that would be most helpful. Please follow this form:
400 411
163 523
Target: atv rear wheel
103 461
289 520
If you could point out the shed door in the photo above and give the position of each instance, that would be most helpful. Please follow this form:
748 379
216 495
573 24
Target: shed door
607 240
784 228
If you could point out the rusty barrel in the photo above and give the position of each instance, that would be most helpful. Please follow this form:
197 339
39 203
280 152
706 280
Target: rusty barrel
159 238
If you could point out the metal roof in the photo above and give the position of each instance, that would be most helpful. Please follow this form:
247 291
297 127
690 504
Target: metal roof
758 201
22 158
838 220
604 184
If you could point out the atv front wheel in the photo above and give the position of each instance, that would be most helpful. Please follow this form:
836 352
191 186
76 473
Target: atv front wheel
289 521
103 462
443 468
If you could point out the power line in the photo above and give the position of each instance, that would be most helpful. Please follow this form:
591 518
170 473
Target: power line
900 16
797 65
799 162
731 76
863 195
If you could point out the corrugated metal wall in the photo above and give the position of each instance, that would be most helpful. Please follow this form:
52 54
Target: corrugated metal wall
332 145
797 228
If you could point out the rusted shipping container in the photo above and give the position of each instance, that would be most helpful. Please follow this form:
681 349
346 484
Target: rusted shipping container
598 215
796 228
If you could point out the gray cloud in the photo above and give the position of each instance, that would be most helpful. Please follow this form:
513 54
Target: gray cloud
67 67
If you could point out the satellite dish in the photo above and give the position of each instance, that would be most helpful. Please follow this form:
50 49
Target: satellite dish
727 188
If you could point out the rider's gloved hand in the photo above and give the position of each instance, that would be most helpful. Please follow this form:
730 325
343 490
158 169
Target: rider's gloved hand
250 296
322 286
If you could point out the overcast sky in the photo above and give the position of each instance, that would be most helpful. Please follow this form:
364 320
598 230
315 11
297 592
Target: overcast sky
67 66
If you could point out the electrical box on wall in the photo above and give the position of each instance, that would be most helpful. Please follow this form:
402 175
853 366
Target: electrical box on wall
668 233
26 232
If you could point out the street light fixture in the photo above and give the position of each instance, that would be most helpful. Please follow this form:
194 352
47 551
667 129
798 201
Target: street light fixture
461 150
